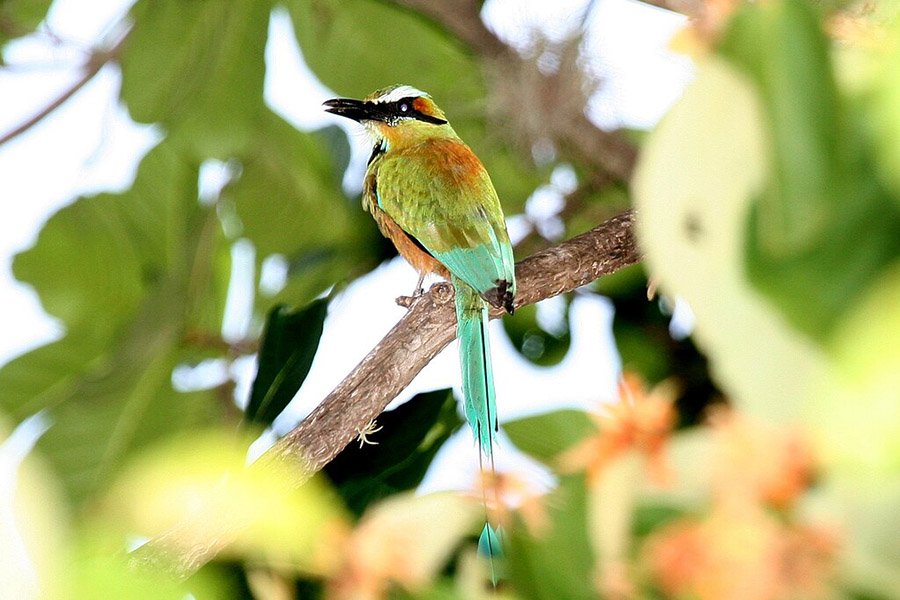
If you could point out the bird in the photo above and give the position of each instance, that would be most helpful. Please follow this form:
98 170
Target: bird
433 198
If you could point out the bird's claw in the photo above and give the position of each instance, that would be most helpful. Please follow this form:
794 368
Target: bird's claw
406 301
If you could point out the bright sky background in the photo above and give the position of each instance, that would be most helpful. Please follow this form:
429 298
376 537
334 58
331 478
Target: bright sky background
90 145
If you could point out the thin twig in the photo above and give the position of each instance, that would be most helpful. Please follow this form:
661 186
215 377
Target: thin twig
95 63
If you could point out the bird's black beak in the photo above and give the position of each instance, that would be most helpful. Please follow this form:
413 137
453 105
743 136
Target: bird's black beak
358 110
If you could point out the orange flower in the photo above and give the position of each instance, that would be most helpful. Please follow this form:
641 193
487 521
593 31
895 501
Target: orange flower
761 462
507 492
742 549
748 556
640 421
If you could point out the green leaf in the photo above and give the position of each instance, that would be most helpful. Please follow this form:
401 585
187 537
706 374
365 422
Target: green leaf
105 408
546 436
558 564
84 264
409 437
340 39
197 67
20 17
823 190
334 140
288 197
289 345
882 105
782 48
130 274
358 46
540 347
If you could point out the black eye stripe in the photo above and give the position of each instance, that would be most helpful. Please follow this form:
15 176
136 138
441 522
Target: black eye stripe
404 109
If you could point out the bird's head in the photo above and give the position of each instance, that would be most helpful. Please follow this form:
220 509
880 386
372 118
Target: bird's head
395 115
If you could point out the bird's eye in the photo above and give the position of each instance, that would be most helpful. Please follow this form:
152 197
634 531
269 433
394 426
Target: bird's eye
404 107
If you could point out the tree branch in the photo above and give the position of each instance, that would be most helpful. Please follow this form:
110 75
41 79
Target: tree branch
430 325
94 64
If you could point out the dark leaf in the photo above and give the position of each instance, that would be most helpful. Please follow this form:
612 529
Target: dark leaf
289 344
409 437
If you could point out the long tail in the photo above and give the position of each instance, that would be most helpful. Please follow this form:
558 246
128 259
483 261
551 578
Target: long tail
478 391
475 360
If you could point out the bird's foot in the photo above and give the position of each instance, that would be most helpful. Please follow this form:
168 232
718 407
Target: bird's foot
406 301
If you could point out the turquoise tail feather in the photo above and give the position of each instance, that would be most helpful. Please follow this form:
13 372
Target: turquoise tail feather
489 545
478 391
475 360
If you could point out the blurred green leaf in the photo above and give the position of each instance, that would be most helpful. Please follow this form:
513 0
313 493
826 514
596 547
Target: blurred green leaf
541 347
780 45
558 564
822 191
197 67
20 17
638 351
201 481
624 282
289 344
358 46
408 438
652 517
288 197
85 264
334 140
129 274
882 104
546 436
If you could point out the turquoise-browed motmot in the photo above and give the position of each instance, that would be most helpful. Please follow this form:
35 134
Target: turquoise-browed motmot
433 198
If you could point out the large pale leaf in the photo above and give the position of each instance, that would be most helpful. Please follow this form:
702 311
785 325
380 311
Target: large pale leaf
700 170
197 67
699 173
823 227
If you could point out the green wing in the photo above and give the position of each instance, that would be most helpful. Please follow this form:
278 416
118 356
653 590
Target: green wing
457 219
